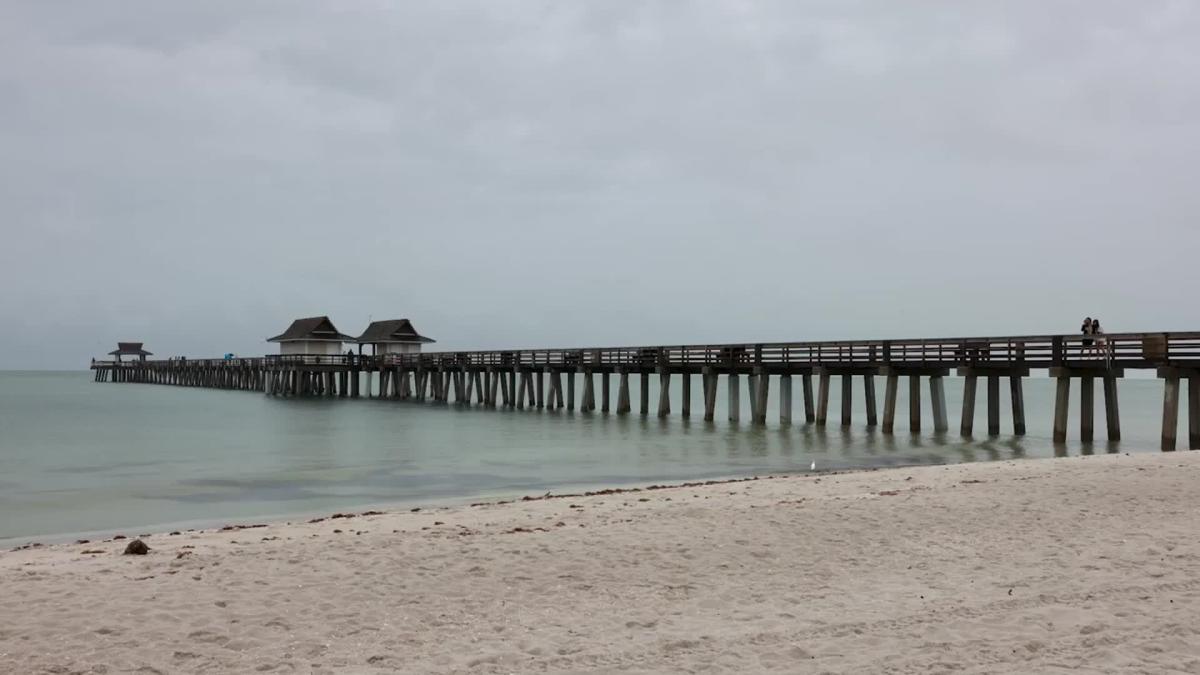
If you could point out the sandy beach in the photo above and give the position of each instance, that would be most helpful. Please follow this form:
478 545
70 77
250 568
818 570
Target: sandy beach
1083 564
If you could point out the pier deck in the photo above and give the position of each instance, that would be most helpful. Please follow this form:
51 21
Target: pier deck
521 378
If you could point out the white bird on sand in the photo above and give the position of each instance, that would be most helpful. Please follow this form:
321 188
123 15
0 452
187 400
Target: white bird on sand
813 466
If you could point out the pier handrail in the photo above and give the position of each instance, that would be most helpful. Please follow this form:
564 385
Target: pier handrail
1123 350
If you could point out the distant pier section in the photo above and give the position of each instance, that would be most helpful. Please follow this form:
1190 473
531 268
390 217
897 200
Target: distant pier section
311 363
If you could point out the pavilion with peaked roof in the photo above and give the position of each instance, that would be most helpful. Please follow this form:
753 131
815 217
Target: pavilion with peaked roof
393 336
313 335
130 349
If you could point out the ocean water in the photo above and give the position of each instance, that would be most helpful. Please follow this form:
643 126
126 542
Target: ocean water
77 456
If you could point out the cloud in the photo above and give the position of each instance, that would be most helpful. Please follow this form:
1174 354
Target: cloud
532 173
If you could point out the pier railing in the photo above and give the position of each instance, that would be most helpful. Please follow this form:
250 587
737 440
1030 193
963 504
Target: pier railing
1123 350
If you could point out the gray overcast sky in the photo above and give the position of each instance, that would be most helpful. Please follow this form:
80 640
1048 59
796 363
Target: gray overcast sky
553 173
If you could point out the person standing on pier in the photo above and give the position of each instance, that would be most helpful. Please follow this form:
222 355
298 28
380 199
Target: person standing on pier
1101 343
1086 330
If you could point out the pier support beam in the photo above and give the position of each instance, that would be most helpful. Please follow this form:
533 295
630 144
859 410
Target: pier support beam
869 395
709 380
1172 377
847 399
571 391
557 386
685 395
971 375
1087 408
914 403
735 401
891 384
1018 405
1194 411
1112 409
937 398
664 392
1170 416
847 375
623 392
1062 404
822 397
914 373
759 391
644 393
752 396
967 426
807 393
589 392
1087 384
604 392
522 389
993 405
785 399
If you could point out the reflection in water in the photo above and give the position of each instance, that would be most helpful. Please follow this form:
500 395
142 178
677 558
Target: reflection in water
79 455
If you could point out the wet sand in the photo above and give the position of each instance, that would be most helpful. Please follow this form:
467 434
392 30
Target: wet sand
1083 564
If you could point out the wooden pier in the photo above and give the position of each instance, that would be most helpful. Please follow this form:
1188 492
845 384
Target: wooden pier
549 378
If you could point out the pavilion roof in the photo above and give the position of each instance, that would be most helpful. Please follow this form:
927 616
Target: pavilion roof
129 349
313 328
391 330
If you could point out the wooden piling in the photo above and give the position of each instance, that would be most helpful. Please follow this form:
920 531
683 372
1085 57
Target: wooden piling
752 396
589 392
762 386
604 392
822 397
937 399
914 403
1170 416
735 401
1194 411
967 426
709 386
685 395
807 394
785 399
664 392
847 399
570 390
623 392
1018 405
993 404
522 390
556 394
1062 400
891 385
1087 408
869 396
644 392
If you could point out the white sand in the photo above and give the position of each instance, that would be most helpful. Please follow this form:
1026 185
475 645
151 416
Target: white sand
1081 565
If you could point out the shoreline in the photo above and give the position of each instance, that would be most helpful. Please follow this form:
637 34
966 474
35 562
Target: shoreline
201 525
1013 566
487 497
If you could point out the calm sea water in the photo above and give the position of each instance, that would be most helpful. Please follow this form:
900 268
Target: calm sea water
79 456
